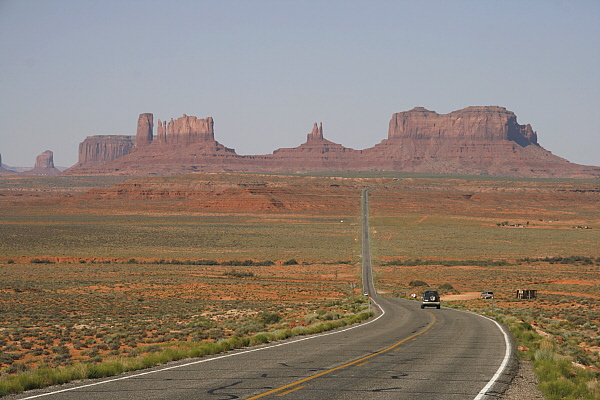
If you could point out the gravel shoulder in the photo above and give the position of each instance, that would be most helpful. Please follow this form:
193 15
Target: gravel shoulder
523 386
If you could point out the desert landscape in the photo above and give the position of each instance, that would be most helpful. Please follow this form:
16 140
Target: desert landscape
185 179
104 268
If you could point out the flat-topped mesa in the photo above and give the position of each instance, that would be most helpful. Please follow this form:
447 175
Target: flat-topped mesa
479 122
187 130
45 160
145 130
100 149
44 165
316 134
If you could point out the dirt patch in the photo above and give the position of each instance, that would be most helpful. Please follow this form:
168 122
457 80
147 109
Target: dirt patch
462 296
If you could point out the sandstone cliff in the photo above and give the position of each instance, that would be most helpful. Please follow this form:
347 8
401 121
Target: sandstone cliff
182 131
44 165
145 127
188 129
487 123
100 149
182 145
475 140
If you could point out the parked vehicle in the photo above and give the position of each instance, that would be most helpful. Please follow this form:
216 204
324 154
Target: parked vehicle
487 295
430 298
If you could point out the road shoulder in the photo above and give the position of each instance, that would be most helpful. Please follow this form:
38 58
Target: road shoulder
523 386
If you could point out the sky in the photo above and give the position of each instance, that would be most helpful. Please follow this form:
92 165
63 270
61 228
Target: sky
266 70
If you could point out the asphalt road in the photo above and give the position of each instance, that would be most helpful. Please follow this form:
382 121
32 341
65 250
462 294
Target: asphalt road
403 353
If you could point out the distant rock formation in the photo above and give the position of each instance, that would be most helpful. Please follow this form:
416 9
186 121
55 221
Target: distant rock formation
487 123
482 140
145 128
45 160
181 132
317 153
100 149
316 134
474 140
44 165
183 144
188 129
4 171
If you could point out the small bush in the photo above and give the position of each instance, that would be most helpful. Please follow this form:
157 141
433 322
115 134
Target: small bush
238 274
446 287
417 283
42 261
103 370
259 338
26 345
269 318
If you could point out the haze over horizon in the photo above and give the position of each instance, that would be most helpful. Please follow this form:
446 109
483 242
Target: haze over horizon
267 70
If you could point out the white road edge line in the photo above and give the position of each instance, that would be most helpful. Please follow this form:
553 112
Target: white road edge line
500 370
210 359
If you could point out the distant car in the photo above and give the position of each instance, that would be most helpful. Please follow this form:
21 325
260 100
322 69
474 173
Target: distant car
487 295
430 298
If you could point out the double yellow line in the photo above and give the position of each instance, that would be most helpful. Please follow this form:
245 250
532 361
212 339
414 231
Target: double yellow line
292 387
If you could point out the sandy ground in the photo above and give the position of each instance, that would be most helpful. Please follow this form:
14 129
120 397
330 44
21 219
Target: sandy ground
462 296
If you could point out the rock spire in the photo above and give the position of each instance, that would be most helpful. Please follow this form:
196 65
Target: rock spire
145 129
317 132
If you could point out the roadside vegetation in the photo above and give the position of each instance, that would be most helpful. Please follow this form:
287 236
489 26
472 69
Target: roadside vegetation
564 370
150 356
65 321
558 331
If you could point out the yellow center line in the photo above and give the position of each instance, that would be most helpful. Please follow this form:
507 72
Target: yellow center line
289 391
356 362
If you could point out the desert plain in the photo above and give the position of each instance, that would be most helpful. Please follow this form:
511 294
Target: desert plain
97 268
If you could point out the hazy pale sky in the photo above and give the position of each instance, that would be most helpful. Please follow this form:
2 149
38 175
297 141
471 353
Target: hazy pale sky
266 70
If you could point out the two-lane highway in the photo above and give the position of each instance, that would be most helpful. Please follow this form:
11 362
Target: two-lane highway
403 353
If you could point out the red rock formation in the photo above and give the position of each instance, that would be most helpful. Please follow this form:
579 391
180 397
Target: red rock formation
44 165
487 123
45 160
145 129
188 129
317 153
475 140
316 134
162 132
100 149
183 145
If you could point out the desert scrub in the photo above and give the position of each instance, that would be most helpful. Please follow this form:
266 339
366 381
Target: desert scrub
155 355
559 378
